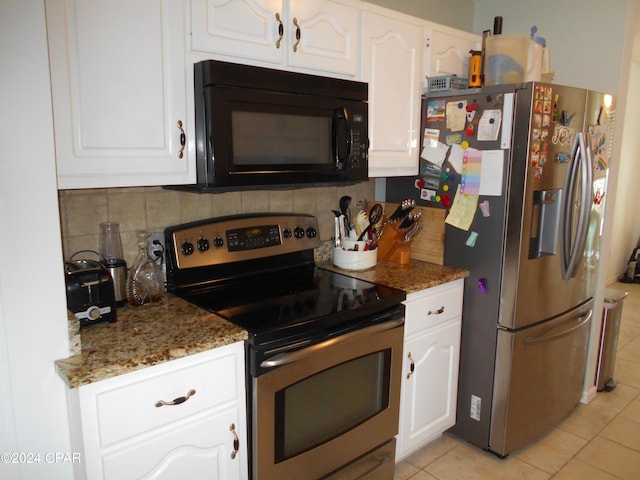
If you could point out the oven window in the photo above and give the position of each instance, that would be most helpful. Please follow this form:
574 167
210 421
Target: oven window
330 403
265 138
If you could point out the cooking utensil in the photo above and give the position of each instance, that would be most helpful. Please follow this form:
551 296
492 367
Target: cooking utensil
375 215
402 210
412 232
409 220
362 220
344 203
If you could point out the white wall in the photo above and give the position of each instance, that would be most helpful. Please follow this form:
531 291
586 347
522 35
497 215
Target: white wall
33 325
453 13
585 38
626 215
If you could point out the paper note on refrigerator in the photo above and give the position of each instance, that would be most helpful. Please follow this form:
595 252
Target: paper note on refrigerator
482 172
433 150
462 211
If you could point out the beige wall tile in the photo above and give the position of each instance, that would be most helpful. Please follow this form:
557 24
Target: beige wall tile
228 203
163 209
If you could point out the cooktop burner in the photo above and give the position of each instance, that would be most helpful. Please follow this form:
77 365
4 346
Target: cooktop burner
286 304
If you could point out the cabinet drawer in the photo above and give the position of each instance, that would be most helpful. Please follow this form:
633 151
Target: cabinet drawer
126 407
433 306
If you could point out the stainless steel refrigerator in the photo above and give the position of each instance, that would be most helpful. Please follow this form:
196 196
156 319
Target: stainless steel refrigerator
523 173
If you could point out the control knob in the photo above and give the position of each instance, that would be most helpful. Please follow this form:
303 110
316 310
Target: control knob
287 232
298 232
203 244
218 242
186 248
311 232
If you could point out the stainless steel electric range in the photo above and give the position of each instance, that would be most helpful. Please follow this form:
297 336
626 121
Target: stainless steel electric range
324 350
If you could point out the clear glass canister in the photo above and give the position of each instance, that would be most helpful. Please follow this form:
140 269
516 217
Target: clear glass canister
145 283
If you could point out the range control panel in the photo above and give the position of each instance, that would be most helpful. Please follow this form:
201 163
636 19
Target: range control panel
238 238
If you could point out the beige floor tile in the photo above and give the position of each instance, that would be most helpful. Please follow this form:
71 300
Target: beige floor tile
470 463
577 469
404 470
612 458
627 334
552 451
433 451
627 372
632 411
624 431
587 421
630 352
618 398
422 475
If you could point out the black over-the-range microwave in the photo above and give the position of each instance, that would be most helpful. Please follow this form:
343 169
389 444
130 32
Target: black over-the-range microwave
265 128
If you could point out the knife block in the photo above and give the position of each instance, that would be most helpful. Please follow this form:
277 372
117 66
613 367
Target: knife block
391 248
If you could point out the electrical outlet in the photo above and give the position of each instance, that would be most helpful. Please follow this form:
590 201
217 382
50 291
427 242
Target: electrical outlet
156 245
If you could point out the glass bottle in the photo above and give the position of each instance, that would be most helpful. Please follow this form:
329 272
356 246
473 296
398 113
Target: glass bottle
145 282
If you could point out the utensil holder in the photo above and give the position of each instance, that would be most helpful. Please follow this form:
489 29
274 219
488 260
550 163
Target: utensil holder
392 248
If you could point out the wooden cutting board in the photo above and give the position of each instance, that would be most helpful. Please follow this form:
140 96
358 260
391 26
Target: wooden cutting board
428 244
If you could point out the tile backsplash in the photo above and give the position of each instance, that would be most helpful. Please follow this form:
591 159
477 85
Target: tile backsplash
154 208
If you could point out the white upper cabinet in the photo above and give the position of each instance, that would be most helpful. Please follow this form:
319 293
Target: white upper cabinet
447 51
392 65
319 35
119 92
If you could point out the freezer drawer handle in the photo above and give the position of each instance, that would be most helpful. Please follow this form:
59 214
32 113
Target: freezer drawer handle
436 312
546 338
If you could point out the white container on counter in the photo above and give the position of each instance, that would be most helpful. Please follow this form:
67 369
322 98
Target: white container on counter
360 259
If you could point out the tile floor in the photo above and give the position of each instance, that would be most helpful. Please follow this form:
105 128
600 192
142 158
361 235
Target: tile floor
598 441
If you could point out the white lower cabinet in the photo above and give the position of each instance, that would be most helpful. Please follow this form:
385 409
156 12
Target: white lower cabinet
430 366
124 431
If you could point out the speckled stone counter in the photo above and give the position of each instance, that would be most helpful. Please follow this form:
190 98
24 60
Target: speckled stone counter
145 336
411 278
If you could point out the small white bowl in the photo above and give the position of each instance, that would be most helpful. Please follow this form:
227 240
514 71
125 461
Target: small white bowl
355 259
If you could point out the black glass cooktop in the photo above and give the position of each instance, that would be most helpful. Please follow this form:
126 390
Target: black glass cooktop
296 303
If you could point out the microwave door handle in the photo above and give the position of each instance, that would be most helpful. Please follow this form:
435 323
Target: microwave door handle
340 120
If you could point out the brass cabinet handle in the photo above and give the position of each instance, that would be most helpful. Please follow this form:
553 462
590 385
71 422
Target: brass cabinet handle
183 139
177 401
236 441
280 30
412 366
436 312
298 35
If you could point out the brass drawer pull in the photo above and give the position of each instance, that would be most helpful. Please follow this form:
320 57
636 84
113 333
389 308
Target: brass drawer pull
236 441
436 312
183 139
280 30
177 401
412 366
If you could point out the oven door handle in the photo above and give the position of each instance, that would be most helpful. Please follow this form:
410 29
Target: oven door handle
290 357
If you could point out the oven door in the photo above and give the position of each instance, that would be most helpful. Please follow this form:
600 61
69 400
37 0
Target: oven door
322 407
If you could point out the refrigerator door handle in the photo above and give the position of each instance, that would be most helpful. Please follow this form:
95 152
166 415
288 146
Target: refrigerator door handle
572 249
528 341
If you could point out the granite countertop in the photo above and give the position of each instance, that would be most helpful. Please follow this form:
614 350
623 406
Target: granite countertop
174 328
411 278
142 337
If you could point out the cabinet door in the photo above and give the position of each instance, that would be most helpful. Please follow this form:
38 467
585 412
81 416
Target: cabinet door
246 29
392 64
430 386
448 49
119 91
202 449
323 35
